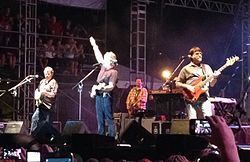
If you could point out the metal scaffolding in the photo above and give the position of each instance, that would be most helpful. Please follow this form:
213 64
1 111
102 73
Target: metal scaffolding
245 52
27 59
138 40
205 5
138 33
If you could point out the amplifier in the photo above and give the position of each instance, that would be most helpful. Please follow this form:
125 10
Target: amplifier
156 127
153 126
159 127
180 126
2 126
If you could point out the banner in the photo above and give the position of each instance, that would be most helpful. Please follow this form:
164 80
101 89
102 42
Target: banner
91 4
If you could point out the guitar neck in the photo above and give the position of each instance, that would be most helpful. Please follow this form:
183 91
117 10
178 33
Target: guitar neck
211 77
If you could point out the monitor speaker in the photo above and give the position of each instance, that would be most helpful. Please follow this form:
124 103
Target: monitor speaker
136 135
75 127
14 127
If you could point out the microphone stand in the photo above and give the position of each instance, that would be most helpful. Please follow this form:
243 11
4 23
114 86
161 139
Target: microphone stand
13 90
25 80
170 80
171 85
240 107
2 92
80 86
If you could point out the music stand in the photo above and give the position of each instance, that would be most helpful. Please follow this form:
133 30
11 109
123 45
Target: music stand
80 86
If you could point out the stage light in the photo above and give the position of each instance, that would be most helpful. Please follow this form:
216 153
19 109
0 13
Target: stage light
166 74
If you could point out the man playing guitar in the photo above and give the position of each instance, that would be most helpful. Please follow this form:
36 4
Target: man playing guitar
107 79
136 100
45 96
191 73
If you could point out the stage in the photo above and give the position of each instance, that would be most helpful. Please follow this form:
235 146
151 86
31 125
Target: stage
135 142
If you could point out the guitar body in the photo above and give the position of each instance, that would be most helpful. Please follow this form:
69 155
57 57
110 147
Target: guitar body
95 88
38 97
193 96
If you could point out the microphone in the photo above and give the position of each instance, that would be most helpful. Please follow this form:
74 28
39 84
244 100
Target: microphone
96 64
184 57
34 76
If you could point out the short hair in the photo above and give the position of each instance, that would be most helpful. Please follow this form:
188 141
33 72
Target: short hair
48 68
193 50
112 57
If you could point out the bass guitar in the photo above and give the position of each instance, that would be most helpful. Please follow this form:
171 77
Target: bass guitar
199 83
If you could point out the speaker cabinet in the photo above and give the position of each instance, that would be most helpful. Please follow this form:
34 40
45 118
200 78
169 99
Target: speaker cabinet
136 135
159 127
180 126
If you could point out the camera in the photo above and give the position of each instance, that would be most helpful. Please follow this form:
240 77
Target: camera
199 127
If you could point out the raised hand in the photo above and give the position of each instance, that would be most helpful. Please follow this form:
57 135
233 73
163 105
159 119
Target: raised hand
92 41
223 137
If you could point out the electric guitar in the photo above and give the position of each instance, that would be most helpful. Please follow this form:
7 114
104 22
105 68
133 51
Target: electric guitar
199 83
96 88
39 97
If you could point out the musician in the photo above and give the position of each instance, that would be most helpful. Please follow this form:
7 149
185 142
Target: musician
137 100
186 79
45 96
107 79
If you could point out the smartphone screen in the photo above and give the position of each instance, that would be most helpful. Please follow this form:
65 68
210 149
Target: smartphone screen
58 159
199 127
11 153
33 156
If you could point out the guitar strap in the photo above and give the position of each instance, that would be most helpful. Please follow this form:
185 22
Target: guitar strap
46 82
203 70
205 74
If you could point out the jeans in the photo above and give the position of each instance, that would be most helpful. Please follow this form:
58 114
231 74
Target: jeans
104 111
41 114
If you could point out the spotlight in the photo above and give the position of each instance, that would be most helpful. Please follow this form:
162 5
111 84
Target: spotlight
166 74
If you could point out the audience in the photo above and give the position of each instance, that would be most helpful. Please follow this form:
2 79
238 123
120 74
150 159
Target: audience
223 137
176 158
210 154
55 37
